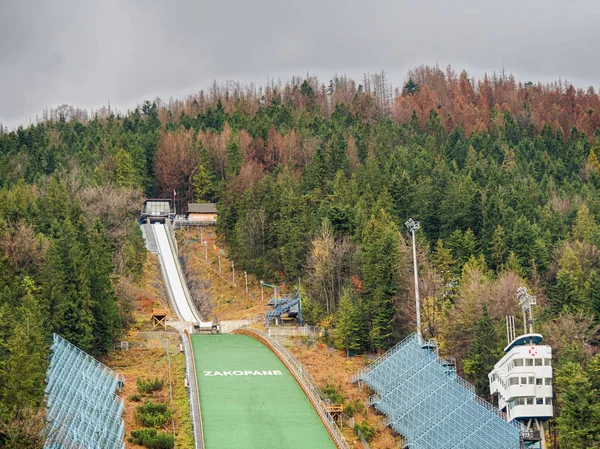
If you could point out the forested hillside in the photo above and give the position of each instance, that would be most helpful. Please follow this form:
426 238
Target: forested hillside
315 181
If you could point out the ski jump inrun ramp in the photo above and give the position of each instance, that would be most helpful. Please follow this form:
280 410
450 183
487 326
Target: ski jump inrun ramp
248 398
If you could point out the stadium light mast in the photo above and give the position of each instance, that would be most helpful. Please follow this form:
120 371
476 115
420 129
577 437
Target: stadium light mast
526 301
414 226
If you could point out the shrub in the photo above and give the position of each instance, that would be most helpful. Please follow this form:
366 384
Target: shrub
151 439
367 430
135 397
333 394
353 407
149 385
153 414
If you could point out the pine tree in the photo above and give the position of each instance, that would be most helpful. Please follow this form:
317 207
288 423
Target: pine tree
567 293
66 287
498 248
578 422
483 354
443 261
349 326
381 263
104 306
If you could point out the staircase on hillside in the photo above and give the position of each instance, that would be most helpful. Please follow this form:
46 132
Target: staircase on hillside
432 407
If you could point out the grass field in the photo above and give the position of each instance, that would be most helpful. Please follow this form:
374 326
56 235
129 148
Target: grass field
249 400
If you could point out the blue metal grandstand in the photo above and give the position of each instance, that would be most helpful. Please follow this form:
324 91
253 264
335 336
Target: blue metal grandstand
83 408
432 407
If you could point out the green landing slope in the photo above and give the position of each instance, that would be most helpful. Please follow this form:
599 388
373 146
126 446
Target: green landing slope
249 400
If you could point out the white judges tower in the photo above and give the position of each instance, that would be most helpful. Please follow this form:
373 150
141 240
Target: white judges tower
522 379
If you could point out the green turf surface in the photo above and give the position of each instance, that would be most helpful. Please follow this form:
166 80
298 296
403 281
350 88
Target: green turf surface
245 407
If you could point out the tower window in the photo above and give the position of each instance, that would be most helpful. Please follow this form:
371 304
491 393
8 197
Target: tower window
539 381
548 381
528 362
548 401
539 401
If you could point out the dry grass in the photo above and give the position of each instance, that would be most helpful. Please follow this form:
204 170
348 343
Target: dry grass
229 301
145 359
330 366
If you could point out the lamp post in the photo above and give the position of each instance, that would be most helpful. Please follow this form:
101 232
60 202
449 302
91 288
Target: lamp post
219 260
246 279
232 272
205 250
262 294
414 226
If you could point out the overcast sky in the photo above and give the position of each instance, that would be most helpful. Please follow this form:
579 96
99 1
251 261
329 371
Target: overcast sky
88 53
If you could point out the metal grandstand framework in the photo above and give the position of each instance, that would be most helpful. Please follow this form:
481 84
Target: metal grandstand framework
84 410
426 402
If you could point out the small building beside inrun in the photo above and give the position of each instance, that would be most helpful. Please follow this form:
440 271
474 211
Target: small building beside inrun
202 212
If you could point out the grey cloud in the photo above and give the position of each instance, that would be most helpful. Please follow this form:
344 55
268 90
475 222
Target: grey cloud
87 53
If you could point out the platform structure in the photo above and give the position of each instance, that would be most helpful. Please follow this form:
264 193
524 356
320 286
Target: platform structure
159 317
426 402
83 408
284 308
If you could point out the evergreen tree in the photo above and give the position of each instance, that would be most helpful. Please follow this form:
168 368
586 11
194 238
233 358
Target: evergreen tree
104 306
483 354
380 269
349 326
498 249
578 422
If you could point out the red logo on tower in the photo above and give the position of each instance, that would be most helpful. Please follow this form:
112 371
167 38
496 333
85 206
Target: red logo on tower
532 351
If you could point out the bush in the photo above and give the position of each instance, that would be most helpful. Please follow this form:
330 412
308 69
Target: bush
149 385
153 414
151 439
351 408
368 432
333 394
135 397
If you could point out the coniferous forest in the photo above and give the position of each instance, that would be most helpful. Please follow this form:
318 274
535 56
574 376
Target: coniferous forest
314 182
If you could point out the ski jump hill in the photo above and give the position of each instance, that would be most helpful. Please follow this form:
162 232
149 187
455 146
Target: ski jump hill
247 396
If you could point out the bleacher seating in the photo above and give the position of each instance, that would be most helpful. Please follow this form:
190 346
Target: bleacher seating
430 405
84 410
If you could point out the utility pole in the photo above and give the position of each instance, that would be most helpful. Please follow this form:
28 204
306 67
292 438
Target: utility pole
262 291
246 279
205 251
232 272
219 260
414 226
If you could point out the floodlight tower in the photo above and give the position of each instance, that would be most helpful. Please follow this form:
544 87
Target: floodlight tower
414 226
522 379
526 301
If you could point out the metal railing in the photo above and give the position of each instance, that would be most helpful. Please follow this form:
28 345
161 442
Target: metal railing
314 393
190 369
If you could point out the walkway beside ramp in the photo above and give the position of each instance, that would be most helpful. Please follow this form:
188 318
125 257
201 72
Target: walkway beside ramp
248 398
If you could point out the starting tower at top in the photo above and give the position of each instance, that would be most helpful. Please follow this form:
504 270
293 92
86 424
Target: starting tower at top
522 379
157 210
